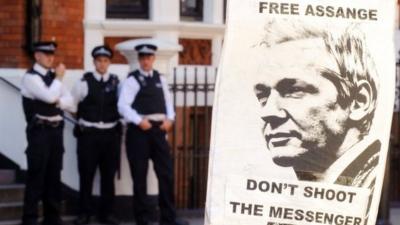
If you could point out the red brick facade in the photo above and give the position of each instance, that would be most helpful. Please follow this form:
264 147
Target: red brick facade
112 42
195 52
60 19
12 28
63 20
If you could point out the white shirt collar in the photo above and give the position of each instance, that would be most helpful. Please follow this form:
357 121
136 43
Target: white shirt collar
146 73
40 69
98 76
334 171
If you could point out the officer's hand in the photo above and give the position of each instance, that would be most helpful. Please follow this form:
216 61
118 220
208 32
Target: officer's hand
60 71
166 125
145 124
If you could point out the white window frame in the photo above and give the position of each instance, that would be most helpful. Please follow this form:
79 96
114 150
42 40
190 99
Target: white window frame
144 15
164 23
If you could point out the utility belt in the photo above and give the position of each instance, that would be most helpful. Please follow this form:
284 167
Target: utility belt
43 123
98 125
154 124
156 117
80 129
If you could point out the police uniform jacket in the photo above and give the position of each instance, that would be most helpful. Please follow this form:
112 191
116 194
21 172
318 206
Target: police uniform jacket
96 98
44 97
145 94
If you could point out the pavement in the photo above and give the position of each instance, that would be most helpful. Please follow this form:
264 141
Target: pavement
394 219
192 221
395 216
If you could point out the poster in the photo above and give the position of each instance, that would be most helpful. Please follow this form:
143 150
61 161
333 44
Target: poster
302 113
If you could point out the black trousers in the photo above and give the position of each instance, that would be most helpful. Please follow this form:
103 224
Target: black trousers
43 182
98 149
142 146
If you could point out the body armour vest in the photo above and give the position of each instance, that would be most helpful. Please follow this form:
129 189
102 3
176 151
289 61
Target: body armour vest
150 98
34 107
100 104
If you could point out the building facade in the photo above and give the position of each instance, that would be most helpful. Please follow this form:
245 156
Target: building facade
78 26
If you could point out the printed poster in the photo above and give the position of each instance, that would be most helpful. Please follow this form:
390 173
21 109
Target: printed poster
302 113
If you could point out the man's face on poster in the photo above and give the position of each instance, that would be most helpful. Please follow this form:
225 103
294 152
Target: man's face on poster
303 124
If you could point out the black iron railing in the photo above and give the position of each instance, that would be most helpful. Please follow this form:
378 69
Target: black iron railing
192 95
16 88
192 91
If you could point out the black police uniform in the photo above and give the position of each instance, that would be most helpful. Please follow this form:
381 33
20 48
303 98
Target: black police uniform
150 144
44 156
98 147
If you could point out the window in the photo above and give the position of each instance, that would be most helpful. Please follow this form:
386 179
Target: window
127 9
225 9
192 10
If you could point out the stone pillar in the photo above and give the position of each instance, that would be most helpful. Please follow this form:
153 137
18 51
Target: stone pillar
164 11
95 10
213 11
217 49
167 50
92 38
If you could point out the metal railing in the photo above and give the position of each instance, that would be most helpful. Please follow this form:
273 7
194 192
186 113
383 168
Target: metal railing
16 88
192 91
192 96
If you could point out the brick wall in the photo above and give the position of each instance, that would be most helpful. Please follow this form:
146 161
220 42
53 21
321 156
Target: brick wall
61 19
12 28
195 51
112 42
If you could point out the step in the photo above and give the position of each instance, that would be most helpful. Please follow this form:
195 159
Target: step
13 210
7 176
12 193
10 222
10 210
66 219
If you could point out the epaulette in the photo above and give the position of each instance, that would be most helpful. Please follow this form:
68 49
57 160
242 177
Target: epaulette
86 76
32 72
134 73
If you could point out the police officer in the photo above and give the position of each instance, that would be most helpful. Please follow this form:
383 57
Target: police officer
44 98
146 104
98 134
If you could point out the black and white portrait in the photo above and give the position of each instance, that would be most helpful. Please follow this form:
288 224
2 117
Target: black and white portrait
302 113
317 91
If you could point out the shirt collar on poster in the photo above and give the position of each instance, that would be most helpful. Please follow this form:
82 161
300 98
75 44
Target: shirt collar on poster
333 172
